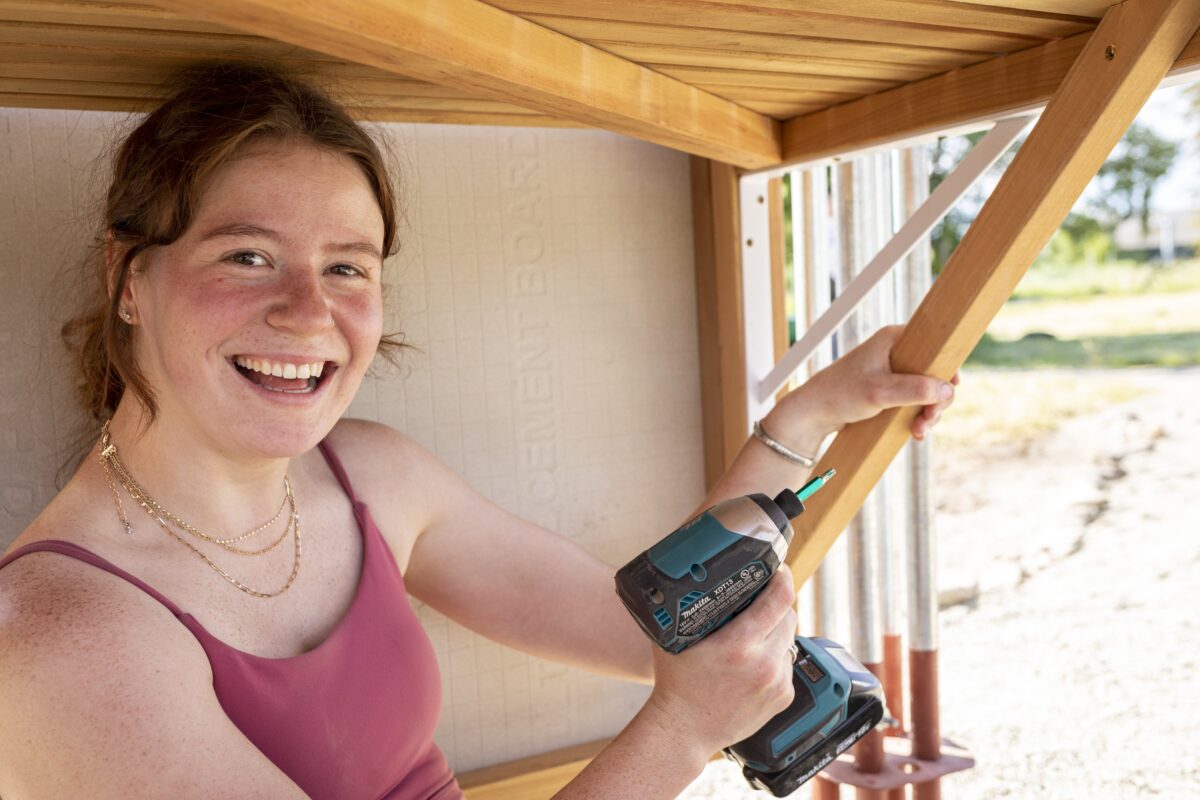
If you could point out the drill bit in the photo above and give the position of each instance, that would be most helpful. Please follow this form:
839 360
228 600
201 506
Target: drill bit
809 489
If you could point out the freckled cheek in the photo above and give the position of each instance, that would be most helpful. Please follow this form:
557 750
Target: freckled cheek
222 304
203 318
362 321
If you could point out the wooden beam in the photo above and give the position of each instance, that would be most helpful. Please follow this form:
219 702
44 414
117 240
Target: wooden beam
734 39
1010 84
719 313
1121 65
534 777
922 23
472 45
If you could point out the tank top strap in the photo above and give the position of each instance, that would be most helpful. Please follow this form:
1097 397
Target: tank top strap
73 550
335 464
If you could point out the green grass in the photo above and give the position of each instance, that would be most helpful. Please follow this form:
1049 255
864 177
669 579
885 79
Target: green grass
1108 315
1058 349
1136 350
1073 281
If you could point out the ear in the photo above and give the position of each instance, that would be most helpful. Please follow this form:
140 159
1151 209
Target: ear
114 254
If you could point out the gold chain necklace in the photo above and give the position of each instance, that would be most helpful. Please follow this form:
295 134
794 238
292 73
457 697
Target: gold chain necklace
111 463
160 514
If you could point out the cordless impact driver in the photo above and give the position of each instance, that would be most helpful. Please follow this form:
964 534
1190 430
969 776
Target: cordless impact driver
702 575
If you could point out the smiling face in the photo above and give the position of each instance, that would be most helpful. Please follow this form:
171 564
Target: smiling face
278 270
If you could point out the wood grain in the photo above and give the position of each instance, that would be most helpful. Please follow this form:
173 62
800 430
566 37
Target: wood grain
894 21
475 46
1086 117
535 777
716 233
999 87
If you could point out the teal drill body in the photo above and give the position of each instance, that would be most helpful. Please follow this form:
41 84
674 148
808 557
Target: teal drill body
704 573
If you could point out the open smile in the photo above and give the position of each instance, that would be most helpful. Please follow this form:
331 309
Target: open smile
281 379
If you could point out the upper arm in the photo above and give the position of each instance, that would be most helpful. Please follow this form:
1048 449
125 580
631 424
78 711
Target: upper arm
101 698
498 574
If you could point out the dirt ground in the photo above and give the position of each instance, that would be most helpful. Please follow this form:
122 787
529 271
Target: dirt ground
1069 569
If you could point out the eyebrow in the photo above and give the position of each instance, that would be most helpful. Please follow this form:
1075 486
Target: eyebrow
247 229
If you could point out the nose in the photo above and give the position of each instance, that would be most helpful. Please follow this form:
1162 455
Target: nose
303 305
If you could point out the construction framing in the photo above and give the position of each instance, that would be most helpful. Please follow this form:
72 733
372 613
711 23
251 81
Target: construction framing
1092 87
530 62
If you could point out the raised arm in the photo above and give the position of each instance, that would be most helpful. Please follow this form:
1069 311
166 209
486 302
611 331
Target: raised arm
857 386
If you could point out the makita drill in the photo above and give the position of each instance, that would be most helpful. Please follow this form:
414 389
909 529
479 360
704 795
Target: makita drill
701 576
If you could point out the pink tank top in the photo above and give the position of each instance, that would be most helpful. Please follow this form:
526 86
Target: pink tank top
352 719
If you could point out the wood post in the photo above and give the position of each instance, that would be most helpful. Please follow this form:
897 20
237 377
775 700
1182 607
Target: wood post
1115 73
719 313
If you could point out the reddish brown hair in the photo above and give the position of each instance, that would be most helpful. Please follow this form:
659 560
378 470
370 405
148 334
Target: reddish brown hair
160 172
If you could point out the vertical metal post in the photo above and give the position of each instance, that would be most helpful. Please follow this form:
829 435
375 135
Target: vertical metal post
881 229
921 544
856 187
889 496
973 165
813 186
817 260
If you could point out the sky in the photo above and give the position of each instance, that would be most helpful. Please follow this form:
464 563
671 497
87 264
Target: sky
1172 115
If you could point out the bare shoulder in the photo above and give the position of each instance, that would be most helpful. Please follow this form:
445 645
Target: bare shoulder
387 461
383 464
103 694
406 486
373 444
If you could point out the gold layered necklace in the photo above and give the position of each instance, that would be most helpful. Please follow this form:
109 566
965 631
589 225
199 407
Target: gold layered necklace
112 464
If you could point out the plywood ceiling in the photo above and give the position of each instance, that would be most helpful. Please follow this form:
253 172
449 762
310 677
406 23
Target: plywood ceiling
781 58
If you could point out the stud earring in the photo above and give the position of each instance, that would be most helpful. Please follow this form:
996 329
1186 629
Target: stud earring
125 315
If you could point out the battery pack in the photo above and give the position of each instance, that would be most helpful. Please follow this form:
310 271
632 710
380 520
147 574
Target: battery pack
837 702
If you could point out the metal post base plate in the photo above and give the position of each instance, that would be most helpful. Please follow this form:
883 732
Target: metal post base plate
900 768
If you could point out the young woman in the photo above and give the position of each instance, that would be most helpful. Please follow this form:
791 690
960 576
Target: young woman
214 605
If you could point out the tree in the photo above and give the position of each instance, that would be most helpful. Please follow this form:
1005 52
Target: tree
1127 181
944 156
1128 177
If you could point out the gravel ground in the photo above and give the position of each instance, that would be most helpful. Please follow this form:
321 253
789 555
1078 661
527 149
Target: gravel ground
1071 567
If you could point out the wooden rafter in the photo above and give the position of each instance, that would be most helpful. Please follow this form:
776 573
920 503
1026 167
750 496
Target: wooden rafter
1121 65
471 45
1011 84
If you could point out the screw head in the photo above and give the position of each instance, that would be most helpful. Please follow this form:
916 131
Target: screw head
1110 53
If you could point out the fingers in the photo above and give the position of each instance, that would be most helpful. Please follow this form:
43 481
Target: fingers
930 414
771 608
911 390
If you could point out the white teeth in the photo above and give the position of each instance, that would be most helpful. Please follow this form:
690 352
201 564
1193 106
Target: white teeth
281 370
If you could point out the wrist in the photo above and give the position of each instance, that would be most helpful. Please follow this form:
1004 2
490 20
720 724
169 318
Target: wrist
661 715
799 423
